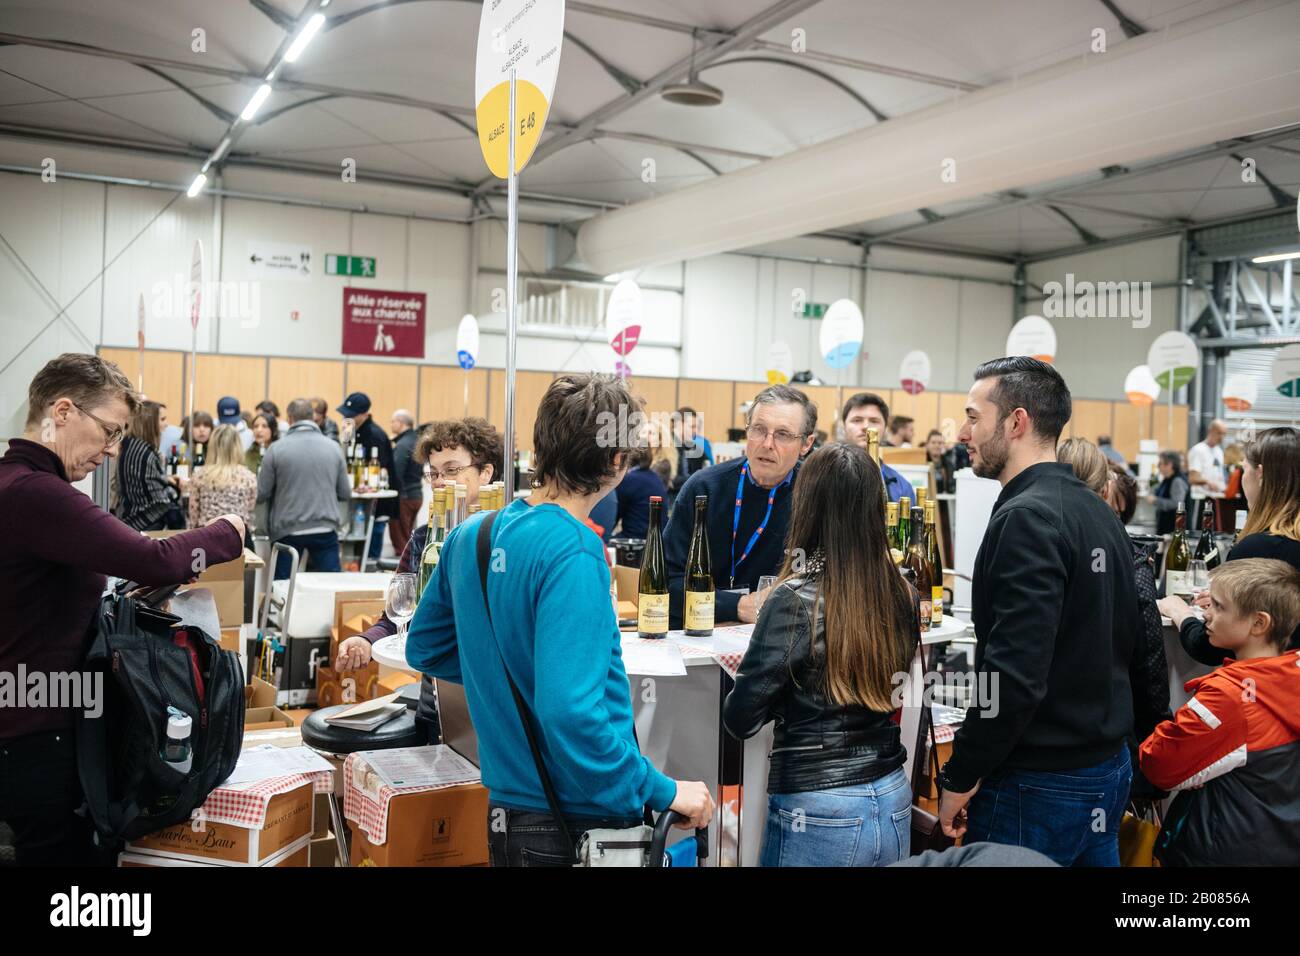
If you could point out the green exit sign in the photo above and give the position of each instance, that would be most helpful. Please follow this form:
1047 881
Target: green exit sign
350 266
814 310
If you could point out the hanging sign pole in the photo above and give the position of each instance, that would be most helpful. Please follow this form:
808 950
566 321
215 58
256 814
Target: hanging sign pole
512 268
196 292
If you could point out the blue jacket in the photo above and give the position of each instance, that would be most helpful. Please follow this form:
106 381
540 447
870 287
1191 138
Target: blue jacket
554 624
896 485
634 493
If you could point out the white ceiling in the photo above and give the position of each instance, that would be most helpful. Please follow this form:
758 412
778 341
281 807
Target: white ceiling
424 50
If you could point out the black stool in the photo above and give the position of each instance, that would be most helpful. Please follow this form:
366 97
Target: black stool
400 731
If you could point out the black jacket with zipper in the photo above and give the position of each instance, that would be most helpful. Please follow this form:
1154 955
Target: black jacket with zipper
1055 610
817 744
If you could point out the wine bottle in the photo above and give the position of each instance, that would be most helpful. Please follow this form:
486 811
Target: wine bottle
200 456
873 449
698 584
372 470
936 565
432 541
904 522
183 463
1206 549
1242 514
1177 580
918 563
891 532
652 589
173 460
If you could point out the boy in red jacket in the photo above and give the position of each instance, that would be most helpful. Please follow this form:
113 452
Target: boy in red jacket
1233 750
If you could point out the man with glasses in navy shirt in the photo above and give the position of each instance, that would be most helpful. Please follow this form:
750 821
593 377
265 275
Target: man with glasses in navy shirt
749 506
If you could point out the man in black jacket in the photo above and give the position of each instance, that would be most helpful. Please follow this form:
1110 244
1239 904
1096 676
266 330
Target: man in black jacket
1041 760
371 437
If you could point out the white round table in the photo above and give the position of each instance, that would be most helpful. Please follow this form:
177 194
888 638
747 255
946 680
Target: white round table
391 652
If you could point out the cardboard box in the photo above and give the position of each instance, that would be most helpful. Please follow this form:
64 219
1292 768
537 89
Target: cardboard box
276 736
225 581
346 687
302 658
260 712
436 828
231 639
351 627
288 821
627 581
324 850
298 854
392 683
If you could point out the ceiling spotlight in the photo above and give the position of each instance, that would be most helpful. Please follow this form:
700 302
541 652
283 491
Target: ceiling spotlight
196 187
693 92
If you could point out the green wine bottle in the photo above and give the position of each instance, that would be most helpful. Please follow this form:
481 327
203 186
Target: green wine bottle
698 585
652 589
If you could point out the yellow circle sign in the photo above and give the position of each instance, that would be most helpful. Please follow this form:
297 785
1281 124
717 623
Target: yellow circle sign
525 36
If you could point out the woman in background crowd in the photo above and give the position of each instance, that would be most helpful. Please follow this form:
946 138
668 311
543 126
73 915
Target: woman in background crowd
944 482
634 493
1271 480
1232 458
265 431
226 486
1149 670
269 408
145 494
840 624
1172 491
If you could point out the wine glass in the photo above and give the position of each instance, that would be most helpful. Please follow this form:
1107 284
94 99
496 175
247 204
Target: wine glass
400 599
765 584
1198 576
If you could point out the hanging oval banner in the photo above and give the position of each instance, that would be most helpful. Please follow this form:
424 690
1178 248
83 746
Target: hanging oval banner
841 333
1240 392
1173 358
196 283
1033 336
624 315
1141 386
914 372
780 364
526 36
1286 371
139 328
467 341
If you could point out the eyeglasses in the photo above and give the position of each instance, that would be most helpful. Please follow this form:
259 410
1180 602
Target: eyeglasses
451 471
758 433
112 433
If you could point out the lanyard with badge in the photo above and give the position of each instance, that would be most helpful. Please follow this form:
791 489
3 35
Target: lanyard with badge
735 519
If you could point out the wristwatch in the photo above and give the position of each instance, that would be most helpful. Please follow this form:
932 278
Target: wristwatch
945 783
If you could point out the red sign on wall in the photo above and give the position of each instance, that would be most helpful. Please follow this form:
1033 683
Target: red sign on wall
381 323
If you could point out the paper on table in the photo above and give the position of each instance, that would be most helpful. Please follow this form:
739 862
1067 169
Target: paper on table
362 709
653 659
436 766
733 639
268 760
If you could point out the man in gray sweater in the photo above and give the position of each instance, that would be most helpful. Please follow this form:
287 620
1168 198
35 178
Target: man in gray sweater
304 478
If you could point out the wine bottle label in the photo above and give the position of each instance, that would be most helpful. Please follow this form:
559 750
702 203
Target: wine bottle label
699 610
1212 558
352 481
183 472
1177 582
926 614
936 605
652 613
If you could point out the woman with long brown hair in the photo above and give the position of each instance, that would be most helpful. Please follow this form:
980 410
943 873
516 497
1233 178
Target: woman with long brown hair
1271 480
145 495
824 661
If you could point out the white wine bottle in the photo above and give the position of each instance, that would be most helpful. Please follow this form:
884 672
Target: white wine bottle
652 588
936 565
698 583
432 542
1177 579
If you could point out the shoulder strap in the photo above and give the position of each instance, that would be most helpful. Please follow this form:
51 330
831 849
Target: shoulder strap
484 548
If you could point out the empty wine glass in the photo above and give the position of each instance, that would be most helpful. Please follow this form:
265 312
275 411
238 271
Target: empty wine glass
765 584
400 599
1198 576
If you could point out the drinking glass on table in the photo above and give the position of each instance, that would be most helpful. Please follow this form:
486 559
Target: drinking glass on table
400 600
765 584
1198 575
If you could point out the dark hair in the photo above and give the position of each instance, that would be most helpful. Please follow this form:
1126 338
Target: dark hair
899 421
932 432
1024 382
664 469
200 418
299 410
837 509
84 379
271 422
319 407
782 395
266 405
475 435
144 424
642 458
1126 490
584 423
686 410
1173 459
865 398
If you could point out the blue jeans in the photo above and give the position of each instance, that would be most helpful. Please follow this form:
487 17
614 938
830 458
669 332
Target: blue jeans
1070 816
865 824
322 552
377 538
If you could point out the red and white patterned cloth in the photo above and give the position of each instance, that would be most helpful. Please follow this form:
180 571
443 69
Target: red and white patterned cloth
371 815
945 732
247 807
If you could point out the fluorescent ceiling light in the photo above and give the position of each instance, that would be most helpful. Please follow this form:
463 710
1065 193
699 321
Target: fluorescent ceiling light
196 187
220 150
256 102
1277 257
613 278
304 37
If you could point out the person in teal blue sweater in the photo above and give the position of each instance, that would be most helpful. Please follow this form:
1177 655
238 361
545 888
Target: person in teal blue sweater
553 625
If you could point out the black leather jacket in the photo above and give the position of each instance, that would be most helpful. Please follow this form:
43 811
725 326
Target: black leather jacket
817 745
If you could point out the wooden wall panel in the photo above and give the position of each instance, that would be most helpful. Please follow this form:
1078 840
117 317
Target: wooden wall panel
924 408
442 393
1160 426
390 386
952 406
745 392
1089 419
659 394
712 400
243 376
164 376
530 387
827 398
306 378
1129 425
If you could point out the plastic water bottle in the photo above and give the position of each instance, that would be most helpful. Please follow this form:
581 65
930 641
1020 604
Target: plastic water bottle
176 747
359 522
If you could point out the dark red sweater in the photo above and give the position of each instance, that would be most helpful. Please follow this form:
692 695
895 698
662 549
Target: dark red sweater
56 546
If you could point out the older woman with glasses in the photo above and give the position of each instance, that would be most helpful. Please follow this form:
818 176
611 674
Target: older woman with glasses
57 549
465 450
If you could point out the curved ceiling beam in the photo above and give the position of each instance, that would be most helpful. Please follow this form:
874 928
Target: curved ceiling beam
880 117
267 117
224 115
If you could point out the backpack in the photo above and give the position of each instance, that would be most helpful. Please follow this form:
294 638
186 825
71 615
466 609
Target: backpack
147 664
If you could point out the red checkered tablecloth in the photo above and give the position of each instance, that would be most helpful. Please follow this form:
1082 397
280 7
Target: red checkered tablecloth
247 807
371 815
945 732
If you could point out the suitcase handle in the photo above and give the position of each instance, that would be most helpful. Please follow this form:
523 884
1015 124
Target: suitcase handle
659 840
